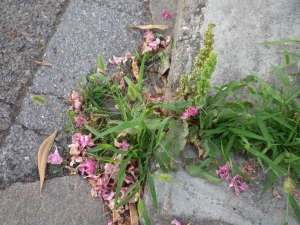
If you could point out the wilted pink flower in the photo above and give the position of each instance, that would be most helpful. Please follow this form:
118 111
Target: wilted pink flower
166 14
190 111
175 222
148 34
238 183
110 222
79 121
76 101
161 98
118 60
88 167
122 145
145 0
86 141
108 196
55 158
223 172
99 71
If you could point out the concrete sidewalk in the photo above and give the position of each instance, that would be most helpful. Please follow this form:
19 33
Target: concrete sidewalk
92 27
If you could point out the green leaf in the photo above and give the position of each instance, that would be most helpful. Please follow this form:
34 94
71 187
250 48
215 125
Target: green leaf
282 42
121 127
271 180
101 77
263 127
207 120
277 169
152 190
295 206
247 134
143 211
101 64
176 137
39 99
285 80
71 116
284 123
141 72
210 148
166 178
210 176
226 114
293 95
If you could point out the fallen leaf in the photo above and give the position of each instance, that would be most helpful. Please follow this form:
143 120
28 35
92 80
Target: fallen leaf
164 80
43 158
150 26
275 194
41 63
135 69
134 218
117 219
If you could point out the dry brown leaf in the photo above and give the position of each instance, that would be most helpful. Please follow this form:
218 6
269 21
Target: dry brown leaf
164 80
134 218
43 158
150 27
295 194
135 69
275 194
41 63
160 91
117 219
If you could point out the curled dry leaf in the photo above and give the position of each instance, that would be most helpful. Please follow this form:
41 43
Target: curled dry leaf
43 158
275 194
295 194
135 69
150 27
41 63
118 219
134 218
160 91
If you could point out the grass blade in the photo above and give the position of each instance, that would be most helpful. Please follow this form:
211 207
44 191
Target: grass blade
143 211
283 123
285 80
101 64
152 190
271 180
283 42
248 134
295 206
293 95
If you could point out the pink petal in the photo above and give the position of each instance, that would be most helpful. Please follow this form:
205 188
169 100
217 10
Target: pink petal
79 121
55 158
175 222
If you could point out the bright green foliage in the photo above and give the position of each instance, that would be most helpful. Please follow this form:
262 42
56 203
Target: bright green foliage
198 84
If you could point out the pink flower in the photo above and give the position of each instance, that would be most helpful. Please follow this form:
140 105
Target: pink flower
79 120
75 95
86 141
148 34
110 222
166 14
88 167
118 60
122 145
145 0
223 172
76 101
99 71
238 183
108 196
55 158
190 111
175 222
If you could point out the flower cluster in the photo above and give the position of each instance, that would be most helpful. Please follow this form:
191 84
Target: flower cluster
151 43
190 111
79 121
119 60
80 143
237 182
104 183
122 145
76 101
